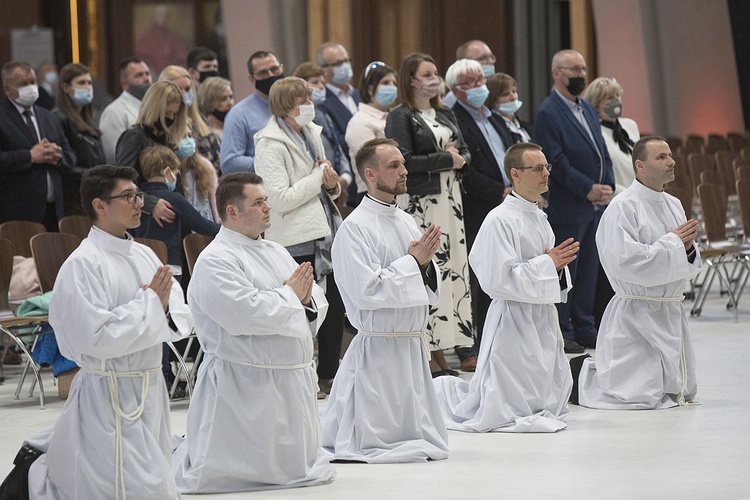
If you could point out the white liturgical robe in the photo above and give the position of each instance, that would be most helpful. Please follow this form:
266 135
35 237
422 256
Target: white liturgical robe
382 406
522 382
113 328
644 355
253 420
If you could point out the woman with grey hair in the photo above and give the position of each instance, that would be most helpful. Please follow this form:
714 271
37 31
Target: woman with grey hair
620 134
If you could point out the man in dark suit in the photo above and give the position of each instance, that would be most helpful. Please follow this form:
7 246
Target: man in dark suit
33 151
342 100
485 185
580 187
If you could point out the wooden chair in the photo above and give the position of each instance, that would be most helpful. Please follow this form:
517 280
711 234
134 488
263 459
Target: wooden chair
738 163
711 177
716 143
694 144
698 163
162 253
745 153
737 141
20 232
80 225
193 244
743 172
50 250
723 161
682 177
684 195
675 143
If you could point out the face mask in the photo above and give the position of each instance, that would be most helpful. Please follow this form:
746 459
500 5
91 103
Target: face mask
220 115
171 185
613 109
576 84
206 74
342 73
27 95
51 78
306 114
168 121
510 108
186 149
477 95
318 95
188 98
488 69
82 97
386 94
429 87
138 91
264 86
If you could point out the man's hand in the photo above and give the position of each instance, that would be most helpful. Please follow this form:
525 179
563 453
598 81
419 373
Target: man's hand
424 248
564 253
162 213
687 232
161 283
600 194
45 152
301 281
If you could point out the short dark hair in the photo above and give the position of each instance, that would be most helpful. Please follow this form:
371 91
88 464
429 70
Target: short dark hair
639 150
514 156
367 156
10 67
99 182
371 76
122 68
230 190
199 54
258 55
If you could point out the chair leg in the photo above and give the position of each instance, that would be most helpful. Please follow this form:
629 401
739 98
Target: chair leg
181 366
705 286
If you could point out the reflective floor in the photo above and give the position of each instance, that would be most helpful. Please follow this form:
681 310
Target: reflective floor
688 453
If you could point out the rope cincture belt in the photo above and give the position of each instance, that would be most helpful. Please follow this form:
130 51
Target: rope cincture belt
114 396
421 335
298 366
683 358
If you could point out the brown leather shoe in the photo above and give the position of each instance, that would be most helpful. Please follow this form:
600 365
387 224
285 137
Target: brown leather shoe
469 364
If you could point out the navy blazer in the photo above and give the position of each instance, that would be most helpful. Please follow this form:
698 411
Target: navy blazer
574 159
483 184
339 114
23 185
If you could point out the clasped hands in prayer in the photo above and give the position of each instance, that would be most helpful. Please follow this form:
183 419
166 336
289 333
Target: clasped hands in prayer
600 194
425 247
564 253
161 284
330 177
301 282
687 232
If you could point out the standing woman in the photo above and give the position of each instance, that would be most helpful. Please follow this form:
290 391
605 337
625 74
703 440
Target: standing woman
301 186
503 100
74 97
436 157
378 93
215 99
207 143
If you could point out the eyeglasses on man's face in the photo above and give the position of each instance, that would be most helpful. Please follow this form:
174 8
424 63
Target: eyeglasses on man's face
272 71
537 169
336 63
129 197
576 70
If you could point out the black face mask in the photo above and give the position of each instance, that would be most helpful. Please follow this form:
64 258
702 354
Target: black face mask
168 121
207 74
220 115
264 86
576 84
138 91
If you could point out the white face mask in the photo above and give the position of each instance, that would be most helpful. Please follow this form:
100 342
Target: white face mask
306 114
27 95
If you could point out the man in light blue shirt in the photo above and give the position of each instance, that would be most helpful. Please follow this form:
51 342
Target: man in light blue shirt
249 115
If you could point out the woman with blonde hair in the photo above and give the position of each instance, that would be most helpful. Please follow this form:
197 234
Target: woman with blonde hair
199 183
436 157
74 96
215 99
205 140
301 185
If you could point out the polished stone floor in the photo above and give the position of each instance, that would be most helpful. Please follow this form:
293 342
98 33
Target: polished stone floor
687 453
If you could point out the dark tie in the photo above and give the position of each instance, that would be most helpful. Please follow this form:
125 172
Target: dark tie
30 125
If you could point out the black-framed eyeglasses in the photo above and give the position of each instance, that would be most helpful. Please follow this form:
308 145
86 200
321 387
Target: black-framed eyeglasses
472 82
129 197
576 69
336 63
372 66
537 169
272 71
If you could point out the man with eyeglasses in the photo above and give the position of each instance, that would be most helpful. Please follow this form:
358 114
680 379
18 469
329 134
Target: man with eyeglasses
523 379
478 51
568 129
249 115
485 183
113 306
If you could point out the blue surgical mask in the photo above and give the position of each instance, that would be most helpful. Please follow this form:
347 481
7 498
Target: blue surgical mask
171 185
477 95
488 69
342 73
386 94
186 149
510 108
318 95
82 97
188 97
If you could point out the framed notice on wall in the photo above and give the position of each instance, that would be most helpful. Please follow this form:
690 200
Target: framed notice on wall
32 45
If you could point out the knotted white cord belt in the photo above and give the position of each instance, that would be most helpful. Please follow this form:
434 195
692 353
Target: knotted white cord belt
114 396
683 360
422 338
298 366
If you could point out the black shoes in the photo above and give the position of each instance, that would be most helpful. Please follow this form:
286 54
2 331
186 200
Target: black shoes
573 347
576 364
